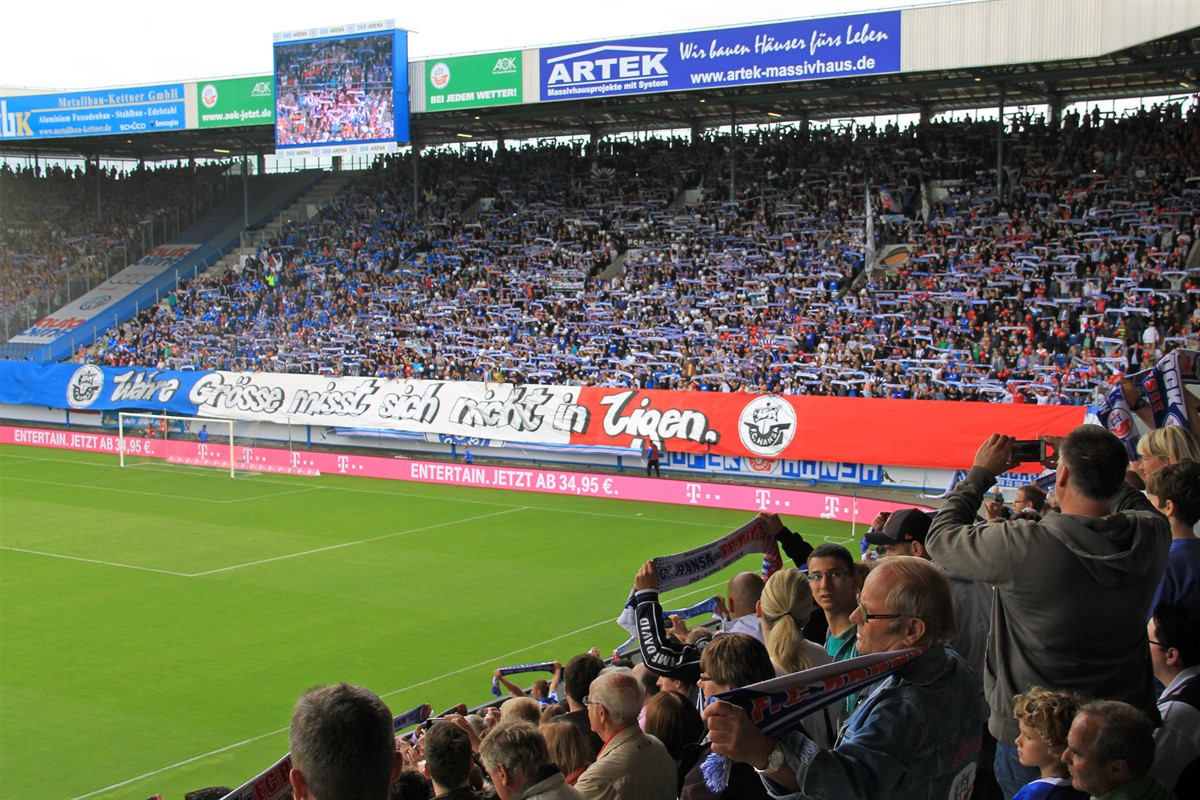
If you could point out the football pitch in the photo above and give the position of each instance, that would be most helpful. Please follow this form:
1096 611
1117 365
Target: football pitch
157 623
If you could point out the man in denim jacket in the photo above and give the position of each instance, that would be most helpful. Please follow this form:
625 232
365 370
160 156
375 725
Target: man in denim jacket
914 736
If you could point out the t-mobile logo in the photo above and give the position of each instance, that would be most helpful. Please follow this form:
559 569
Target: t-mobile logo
833 507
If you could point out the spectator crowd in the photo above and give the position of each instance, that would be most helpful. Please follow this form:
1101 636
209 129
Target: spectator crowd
1031 640
629 266
53 246
1034 638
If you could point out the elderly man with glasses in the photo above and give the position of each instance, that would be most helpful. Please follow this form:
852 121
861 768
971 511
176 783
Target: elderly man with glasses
632 765
913 735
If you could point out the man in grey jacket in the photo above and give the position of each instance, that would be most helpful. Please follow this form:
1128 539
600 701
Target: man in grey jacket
1072 590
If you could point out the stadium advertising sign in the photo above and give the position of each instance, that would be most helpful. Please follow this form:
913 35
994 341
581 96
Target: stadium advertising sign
138 109
237 101
733 424
491 79
341 90
836 47
98 301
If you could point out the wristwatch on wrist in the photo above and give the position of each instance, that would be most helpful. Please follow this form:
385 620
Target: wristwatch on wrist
775 760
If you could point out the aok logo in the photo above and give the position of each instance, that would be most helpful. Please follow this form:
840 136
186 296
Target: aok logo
505 65
261 89
607 63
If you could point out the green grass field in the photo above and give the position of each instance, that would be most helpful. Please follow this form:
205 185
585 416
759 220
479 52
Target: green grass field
157 623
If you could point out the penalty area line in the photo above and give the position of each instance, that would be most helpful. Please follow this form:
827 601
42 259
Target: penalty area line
95 561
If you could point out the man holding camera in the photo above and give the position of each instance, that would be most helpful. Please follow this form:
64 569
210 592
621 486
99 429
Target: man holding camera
1073 590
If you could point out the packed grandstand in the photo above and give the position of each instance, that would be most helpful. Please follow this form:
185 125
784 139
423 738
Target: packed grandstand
628 266
857 260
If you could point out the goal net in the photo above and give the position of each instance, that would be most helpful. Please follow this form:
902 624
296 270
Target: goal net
146 438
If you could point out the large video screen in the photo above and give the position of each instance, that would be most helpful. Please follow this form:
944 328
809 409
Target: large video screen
341 90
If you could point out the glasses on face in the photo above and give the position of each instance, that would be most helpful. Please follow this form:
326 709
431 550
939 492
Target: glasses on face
588 701
833 575
862 612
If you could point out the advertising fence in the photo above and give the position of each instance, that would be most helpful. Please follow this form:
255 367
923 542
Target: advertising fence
138 109
492 79
761 427
271 460
236 102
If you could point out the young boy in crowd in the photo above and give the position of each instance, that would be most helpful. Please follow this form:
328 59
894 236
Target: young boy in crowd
1045 718
1175 491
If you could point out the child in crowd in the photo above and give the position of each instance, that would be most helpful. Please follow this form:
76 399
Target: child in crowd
1045 718
1175 491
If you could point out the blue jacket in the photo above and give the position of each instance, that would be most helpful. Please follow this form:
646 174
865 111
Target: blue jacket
914 736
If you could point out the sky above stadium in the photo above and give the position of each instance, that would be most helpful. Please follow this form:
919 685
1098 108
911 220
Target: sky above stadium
92 45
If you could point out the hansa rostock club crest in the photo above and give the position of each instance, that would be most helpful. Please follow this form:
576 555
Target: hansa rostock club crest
767 425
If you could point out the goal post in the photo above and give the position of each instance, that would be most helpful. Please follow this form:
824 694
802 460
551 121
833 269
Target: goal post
147 437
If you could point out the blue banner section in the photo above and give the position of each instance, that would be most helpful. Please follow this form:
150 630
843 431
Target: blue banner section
837 47
139 109
814 471
86 386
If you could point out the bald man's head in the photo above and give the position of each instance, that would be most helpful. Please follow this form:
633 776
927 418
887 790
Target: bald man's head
744 590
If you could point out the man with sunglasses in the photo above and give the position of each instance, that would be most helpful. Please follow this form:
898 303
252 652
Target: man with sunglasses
914 735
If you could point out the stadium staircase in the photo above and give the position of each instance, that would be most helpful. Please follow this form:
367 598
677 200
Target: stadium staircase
304 208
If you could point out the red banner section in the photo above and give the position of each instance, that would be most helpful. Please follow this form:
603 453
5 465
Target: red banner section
917 433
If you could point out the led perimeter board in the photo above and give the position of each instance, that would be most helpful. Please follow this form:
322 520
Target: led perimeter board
341 90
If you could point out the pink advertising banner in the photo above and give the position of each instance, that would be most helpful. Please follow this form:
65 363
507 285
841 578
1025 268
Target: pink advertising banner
792 502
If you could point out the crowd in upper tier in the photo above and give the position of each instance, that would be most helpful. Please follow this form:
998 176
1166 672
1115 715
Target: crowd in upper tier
51 240
628 263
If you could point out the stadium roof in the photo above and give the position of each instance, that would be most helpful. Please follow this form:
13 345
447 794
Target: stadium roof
954 57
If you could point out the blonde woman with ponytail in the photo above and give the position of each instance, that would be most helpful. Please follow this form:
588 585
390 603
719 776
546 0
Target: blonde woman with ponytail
784 609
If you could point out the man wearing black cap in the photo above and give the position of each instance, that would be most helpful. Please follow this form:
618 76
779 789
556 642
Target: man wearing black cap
904 535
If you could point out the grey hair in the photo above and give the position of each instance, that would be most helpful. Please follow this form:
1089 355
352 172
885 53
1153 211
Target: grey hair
517 746
620 692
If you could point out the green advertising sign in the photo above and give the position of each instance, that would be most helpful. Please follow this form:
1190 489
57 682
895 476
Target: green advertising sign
237 101
491 79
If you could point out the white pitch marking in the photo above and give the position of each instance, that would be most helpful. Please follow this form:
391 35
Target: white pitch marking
96 561
351 544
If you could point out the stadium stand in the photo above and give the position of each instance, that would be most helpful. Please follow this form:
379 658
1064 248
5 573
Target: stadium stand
1080 275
